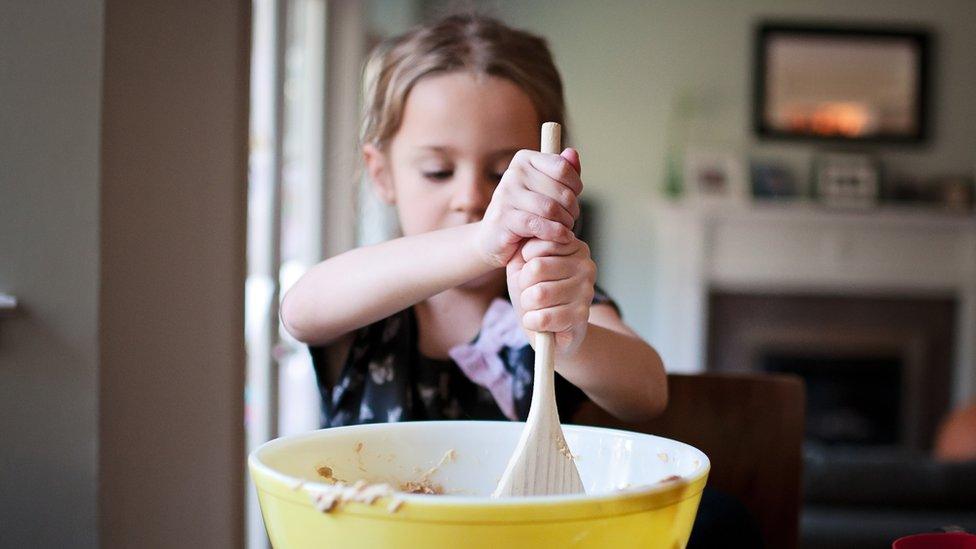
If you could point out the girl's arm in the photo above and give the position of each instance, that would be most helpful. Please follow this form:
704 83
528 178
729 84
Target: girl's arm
361 286
551 286
536 197
616 368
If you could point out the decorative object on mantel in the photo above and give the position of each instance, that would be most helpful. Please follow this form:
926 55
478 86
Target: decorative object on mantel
772 180
907 190
682 109
847 180
951 193
841 83
673 178
715 177
957 193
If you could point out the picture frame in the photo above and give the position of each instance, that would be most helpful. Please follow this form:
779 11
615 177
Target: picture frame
841 83
847 180
715 177
772 180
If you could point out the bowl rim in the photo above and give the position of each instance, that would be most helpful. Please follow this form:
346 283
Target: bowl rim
257 466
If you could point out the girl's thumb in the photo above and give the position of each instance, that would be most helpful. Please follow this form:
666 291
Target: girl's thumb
572 155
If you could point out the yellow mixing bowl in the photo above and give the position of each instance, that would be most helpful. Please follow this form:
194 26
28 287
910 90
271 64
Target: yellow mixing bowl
630 500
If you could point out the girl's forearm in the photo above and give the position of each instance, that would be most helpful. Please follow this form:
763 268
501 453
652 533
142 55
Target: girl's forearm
361 286
620 372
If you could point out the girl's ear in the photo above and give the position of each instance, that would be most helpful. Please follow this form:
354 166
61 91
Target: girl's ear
378 169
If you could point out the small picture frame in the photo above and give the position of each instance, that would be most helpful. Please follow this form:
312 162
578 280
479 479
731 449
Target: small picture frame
772 181
715 177
956 193
847 180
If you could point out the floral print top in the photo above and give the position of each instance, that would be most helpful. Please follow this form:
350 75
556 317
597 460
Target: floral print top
386 379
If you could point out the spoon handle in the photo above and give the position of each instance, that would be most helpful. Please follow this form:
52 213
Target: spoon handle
545 363
551 138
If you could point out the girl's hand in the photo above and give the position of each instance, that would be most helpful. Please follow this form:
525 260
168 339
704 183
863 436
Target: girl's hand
551 287
536 198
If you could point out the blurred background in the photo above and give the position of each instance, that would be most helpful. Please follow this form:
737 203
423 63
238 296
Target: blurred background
771 187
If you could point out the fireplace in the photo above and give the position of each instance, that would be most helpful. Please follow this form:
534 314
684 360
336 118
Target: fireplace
851 400
877 369
875 309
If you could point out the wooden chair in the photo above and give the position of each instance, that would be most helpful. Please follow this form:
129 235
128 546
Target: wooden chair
751 428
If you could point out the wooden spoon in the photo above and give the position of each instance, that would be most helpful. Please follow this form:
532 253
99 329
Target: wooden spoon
542 464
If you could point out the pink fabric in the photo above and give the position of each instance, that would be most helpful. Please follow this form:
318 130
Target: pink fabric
480 361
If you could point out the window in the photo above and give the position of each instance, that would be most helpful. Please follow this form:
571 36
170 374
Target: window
306 60
284 217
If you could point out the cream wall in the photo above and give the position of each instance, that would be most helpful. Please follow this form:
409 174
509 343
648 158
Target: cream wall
624 61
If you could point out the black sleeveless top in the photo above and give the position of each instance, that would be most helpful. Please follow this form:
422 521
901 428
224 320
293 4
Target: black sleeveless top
385 378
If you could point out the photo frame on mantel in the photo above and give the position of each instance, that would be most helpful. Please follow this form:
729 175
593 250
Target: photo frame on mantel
840 83
715 177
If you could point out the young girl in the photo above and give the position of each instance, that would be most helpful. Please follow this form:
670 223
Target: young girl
437 324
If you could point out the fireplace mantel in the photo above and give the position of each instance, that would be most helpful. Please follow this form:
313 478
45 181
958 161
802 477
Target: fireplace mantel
803 249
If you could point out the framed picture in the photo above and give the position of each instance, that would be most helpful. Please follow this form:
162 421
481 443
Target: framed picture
956 193
772 180
847 180
714 177
840 83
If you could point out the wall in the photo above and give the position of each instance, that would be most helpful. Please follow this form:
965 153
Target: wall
50 82
173 205
123 155
623 62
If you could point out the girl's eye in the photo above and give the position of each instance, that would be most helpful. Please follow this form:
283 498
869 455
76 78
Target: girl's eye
440 175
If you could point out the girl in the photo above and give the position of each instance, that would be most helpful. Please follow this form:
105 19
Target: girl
437 324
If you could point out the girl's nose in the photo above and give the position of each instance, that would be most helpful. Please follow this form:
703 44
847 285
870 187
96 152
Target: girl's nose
472 195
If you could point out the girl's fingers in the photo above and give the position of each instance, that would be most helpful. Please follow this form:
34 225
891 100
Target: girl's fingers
572 155
554 190
551 294
529 225
550 267
555 319
542 205
541 248
559 169
546 269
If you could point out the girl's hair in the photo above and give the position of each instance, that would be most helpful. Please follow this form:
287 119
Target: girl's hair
469 42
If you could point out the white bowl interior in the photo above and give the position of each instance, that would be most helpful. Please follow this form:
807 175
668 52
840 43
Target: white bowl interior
608 460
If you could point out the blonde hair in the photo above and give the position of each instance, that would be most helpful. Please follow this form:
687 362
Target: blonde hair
468 42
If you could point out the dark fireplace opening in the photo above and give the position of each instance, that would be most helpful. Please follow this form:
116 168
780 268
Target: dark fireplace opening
876 368
851 400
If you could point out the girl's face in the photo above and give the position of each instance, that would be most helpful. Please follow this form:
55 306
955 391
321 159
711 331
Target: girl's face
457 137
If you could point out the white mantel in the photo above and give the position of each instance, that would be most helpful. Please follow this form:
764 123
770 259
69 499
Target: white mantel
802 248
